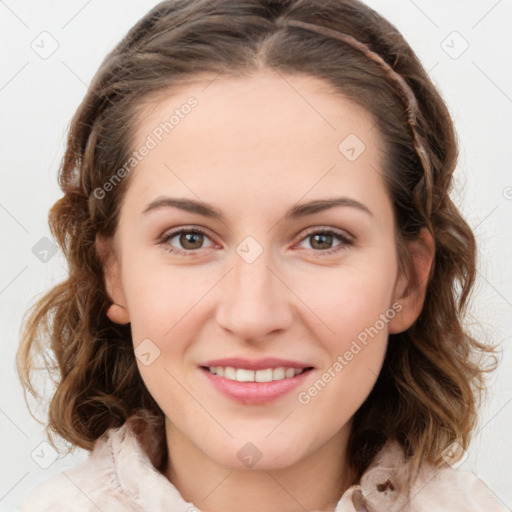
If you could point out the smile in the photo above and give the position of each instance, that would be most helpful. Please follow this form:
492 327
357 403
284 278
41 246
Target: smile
241 385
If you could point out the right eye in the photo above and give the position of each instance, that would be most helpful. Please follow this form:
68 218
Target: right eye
186 240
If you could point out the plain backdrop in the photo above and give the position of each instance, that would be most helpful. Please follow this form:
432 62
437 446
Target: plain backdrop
51 51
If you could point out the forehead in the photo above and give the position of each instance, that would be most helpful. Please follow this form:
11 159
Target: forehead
259 136
256 105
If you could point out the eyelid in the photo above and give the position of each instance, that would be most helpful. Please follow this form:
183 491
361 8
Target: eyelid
171 233
344 237
327 229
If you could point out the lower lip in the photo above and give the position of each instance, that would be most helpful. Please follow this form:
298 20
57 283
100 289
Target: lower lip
254 393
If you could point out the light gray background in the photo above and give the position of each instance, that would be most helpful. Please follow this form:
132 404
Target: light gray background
39 95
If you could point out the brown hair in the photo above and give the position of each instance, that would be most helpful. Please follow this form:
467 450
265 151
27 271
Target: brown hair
431 383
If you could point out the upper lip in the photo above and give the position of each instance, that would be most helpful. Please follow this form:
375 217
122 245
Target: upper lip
256 364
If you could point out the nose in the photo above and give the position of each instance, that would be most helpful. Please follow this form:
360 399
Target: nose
254 301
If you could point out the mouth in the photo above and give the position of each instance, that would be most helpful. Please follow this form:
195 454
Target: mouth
255 387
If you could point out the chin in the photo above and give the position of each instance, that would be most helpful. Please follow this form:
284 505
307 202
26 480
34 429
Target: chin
256 456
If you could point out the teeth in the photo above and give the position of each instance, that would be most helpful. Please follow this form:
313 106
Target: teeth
243 375
263 375
229 373
289 372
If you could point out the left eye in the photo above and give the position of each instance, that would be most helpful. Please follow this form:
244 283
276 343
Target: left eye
323 240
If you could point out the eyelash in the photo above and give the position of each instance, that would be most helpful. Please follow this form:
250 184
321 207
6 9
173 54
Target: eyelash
344 239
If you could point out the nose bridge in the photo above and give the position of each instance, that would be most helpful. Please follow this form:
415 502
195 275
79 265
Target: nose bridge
253 301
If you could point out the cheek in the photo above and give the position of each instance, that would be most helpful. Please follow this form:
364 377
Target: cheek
349 299
354 333
159 299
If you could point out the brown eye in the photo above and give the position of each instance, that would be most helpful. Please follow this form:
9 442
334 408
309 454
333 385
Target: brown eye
326 241
186 241
321 241
191 240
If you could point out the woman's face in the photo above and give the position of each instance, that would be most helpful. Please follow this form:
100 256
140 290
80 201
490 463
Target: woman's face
295 262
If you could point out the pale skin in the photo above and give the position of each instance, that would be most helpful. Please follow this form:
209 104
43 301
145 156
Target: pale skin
253 148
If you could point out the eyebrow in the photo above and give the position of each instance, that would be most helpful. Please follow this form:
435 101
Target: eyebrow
297 211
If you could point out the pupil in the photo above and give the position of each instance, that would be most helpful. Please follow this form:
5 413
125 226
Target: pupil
324 240
190 240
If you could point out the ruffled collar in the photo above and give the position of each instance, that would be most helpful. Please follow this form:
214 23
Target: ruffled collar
383 486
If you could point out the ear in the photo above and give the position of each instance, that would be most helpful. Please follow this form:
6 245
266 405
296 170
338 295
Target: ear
118 311
411 295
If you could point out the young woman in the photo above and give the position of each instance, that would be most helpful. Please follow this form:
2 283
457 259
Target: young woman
267 276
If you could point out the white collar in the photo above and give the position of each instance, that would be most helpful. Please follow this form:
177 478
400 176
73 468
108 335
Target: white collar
382 485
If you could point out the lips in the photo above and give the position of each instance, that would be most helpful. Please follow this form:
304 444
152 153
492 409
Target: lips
256 392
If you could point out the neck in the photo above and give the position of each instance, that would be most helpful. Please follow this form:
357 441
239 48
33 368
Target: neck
316 482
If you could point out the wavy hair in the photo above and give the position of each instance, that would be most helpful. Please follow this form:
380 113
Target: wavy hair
432 380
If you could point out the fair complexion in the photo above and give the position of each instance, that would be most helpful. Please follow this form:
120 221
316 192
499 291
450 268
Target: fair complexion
253 149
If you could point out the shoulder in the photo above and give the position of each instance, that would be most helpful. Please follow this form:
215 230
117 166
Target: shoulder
383 486
119 474
90 486
454 489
